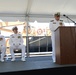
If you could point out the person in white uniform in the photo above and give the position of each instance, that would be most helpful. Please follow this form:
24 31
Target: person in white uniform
2 47
53 25
16 42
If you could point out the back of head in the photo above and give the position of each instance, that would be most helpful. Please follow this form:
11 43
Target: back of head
15 28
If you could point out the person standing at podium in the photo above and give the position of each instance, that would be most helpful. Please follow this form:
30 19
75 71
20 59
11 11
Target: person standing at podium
53 25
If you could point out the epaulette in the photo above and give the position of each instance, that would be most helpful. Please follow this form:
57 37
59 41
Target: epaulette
11 35
61 20
51 20
19 33
2 35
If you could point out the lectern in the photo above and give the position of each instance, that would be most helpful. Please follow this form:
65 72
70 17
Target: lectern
65 45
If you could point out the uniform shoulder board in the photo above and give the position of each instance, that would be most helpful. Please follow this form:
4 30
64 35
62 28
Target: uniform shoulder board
11 35
19 33
51 20
61 20
2 35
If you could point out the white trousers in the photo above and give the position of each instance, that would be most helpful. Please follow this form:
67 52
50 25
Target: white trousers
21 47
3 52
53 47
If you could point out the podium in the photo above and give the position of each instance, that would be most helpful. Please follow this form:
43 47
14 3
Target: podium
65 45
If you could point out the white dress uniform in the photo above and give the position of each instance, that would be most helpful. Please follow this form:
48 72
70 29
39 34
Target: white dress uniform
53 26
16 42
2 47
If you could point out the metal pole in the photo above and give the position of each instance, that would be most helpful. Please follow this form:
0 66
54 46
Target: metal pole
27 38
39 43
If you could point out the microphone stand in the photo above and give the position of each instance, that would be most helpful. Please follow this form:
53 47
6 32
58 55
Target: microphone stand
70 19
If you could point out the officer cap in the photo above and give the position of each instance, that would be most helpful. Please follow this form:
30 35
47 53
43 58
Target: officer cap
14 28
57 14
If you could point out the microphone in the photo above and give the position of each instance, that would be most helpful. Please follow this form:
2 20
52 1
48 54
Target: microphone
65 16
